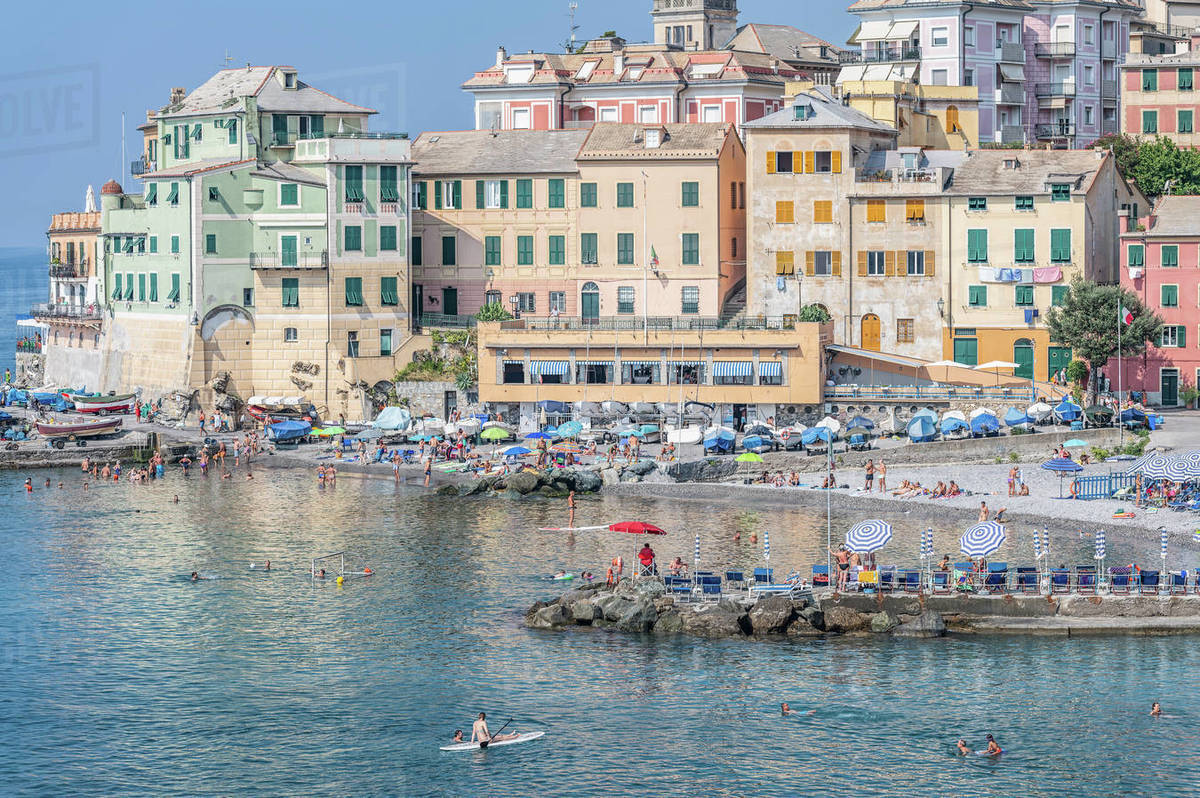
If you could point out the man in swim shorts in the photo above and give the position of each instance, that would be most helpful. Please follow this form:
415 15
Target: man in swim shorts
479 731
843 564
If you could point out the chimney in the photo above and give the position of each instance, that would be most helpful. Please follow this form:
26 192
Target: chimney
177 94
618 62
501 56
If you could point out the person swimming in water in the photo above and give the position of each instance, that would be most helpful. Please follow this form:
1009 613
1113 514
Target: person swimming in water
1155 710
784 709
963 748
993 747
458 733
195 576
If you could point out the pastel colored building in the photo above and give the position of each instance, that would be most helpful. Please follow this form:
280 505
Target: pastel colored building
935 117
1160 262
73 318
1159 96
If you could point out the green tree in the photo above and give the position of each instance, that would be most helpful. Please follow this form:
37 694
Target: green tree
1087 322
814 313
1077 372
1155 165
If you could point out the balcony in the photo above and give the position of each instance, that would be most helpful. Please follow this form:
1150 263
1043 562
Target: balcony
1054 49
881 55
141 166
1064 89
914 175
627 323
1012 134
1054 130
1108 48
280 138
1010 94
57 310
70 270
1109 91
301 260
1110 127
1012 52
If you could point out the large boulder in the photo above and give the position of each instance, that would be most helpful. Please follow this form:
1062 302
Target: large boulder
814 617
584 612
612 606
610 476
480 486
626 588
670 622
883 622
801 627
587 481
650 588
446 490
771 615
552 617
844 619
523 482
927 624
641 467
714 621
640 618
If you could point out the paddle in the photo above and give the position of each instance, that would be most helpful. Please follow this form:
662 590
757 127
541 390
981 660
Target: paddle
485 743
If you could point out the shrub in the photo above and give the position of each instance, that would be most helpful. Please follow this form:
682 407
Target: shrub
814 313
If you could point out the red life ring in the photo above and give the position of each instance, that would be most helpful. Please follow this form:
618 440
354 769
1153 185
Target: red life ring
786 434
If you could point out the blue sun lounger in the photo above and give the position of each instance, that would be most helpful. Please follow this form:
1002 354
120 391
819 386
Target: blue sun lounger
1085 578
1027 579
1060 580
793 585
996 578
1121 579
1179 583
710 587
887 578
909 581
762 576
1148 582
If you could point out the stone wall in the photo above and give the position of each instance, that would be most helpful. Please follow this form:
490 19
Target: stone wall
429 397
30 369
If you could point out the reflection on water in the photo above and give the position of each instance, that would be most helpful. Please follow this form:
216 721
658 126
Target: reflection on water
120 676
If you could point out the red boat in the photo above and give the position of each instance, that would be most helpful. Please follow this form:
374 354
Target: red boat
103 405
60 431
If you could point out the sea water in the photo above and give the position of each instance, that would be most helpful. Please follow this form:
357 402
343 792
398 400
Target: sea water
23 283
119 676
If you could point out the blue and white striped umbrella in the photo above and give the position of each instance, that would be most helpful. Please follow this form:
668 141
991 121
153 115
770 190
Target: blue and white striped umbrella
982 539
1037 544
696 555
1099 544
866 537
1162 540
767 546
1046 542
927 542
1157 466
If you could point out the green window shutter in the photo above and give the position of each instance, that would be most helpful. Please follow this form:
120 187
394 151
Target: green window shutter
1058 295
1170 256
524 194
387 237
1184 122
1185 79
691 194
624 195
479 203
173 194
437 195
291 292
587 195
353 238
1060 246
1060 192
1169 296
316 126
153 286
625 249
152 194
1149 121
1024 294
457 195
416 254
388 188
210 244
1023 249
977 296
1149 80
524 250
354 296
1181 336
558 193
153 244
491 251
287 250
388 295
129 286
558 250
231 129
174 295
691 249
449 251
289 194
588 249
1024 203
977 247
504 194
1137 255
385 342
353 179
422 195
977 204
116 294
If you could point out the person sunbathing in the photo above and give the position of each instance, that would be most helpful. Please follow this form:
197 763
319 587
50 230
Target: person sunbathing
794 480
953 490
904 486
1024 491
939 490
914 489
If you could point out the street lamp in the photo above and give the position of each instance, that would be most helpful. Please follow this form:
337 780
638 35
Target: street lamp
941 305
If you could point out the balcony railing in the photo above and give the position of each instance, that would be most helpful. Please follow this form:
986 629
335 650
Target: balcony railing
457 321
281 139
1109 90
882 55
141 166
1012 52
924 392
301 260
1064 89
895 175
1011 94
69 270
64 311
1055 130
1054 49
634 322
1012 134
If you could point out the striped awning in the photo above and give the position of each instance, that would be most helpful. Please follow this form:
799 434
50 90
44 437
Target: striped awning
550 367
731 368
514 362
685 362
770 368
640 364
593 362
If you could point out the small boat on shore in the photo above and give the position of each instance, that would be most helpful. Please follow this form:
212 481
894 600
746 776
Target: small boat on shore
832 424
921 429
1040 412
71 430
1016 418
683 435
102 405
719 439
1067 411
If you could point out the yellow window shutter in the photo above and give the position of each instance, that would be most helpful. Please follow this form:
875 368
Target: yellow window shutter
862 263
929 263
889 263
810 162
837 162
876 211
901 263
810 263
784 212
836 268
770 162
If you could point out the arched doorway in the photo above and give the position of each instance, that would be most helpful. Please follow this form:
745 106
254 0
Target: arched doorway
1023 357
870 332
952 125
589 305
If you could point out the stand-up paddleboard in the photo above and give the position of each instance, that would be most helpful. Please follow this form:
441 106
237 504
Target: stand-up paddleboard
571 528
522 738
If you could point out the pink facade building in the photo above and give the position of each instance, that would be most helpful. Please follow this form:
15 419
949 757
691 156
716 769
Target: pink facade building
1158 95
1160 262
1046 69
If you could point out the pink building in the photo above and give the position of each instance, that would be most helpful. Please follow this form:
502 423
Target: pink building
1158 95
1160 262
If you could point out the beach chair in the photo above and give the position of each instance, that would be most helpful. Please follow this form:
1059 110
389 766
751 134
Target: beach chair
1148 582
909 581
887 578
1060 580
1178 583
735 578
996 578
1027 579
1085 578
789 587
710 588
1121 580
820 576
940 583
762 576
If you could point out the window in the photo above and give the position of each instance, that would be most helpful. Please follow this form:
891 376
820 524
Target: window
733 247
447 194
939 77
387 237
289 335
1149 80
625 299
524 193
1089 115
785 262
558 301
210 244
389 191
1137 255
977 204
914 211
1023 249
354 294
1024 295
248 297
1183 123
420 196
1089 75
968 80
624 195
823 263
1173 335
876 210
977 246
558 193
785 212
940 37
783 162
824 162
142 287
969 36
174 295
385 341
526 302
905 331
691 249
291 292
354 183
173 195
152 195
977 296
416 252
690 299
514 372
1089 34
1149 121
492 298
1058 295
388 293
741 196
1169 296
214 194
625 249
289 195
1170 256
1060 246
491 251
353 238
588 254
1185 78
231 129
691 194
587 195
916 263
491 194
520 116
876 264
524 250
1060 192
449 251
352 343
153 244
823 212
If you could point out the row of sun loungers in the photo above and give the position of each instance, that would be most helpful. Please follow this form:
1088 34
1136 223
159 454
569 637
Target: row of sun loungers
710 586
999 579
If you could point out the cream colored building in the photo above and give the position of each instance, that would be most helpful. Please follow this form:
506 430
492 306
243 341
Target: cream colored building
935 117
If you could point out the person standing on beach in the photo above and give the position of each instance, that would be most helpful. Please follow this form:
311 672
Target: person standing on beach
870 476
428 469
983 512
1012 481
843 564
881 471
202 422
571 509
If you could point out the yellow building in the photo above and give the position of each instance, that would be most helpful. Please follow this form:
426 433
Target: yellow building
73 319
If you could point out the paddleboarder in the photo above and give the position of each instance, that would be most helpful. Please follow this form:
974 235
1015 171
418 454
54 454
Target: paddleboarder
479 731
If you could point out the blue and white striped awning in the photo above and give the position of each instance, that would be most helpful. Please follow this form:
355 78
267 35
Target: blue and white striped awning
866 537
731 368
514 362
559 367
640 364
593 362
685 362
770 368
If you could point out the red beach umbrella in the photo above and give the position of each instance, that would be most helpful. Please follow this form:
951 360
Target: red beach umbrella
637 528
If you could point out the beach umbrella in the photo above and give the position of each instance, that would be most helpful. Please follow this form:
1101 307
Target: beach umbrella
538 436
982 539
637 528
696 555
1196 536
1100 552
867 537
748 457
515 451
494 434
1062 466
767 547
995 365
1037 544
1074 442
570 429
1162 543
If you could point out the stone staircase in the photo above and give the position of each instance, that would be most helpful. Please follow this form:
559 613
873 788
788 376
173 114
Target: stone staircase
734 309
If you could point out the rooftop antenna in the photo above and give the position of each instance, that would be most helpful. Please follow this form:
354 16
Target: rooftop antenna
228 58
571 9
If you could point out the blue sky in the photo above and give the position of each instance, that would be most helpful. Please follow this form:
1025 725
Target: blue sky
69 69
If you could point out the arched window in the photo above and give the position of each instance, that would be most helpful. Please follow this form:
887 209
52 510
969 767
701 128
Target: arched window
589 305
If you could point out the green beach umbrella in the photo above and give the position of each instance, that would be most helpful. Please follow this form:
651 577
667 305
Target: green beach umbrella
749 457
330 431
494 434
